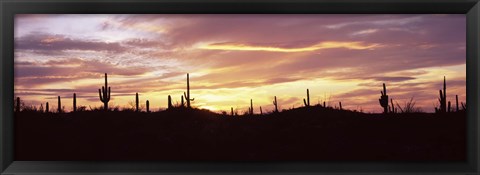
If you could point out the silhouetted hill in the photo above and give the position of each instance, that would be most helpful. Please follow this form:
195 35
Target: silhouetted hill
307 133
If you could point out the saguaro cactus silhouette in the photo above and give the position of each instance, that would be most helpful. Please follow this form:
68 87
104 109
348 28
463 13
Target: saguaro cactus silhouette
136 102
231 111
74 102
275 103
449 106
183 103
17 107
170 102
104 94
456 102
261 112
148 106
443 97
187 95
59 108
392 109
251 107
340 104
307 102
384 99
46 108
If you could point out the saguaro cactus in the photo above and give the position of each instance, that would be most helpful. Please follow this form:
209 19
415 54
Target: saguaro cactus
148 106
275 103
183 103
449 106
59 108
307 102
187 95
251 107
46 108
136 102
104 94
261 112
231 111
340 104
443 97
17 107
170 102
392 109
384 99
456 102
74 102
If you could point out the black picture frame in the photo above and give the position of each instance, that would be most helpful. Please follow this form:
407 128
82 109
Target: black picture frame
8 9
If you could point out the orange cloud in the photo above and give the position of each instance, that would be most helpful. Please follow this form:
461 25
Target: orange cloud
323 45
51 39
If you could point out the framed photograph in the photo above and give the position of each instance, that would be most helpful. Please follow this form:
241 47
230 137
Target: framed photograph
322 87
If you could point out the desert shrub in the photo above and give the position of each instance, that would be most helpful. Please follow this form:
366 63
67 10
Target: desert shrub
409 107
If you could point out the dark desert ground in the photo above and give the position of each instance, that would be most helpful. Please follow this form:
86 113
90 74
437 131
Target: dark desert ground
306 133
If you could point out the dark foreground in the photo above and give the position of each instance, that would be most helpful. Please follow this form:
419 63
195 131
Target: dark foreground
313 133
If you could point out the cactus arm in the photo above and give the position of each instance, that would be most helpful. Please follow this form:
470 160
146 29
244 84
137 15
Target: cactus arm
100 95
384 89
109 91
187 97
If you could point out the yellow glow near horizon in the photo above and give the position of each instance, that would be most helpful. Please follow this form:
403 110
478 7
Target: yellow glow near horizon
323 45
289 94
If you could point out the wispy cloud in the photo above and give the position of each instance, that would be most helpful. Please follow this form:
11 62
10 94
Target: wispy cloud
323 45
46 42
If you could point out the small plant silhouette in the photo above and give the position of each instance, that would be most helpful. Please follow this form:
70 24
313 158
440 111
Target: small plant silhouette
409 107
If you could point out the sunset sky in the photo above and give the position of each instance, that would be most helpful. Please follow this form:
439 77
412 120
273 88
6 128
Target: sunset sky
234 58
